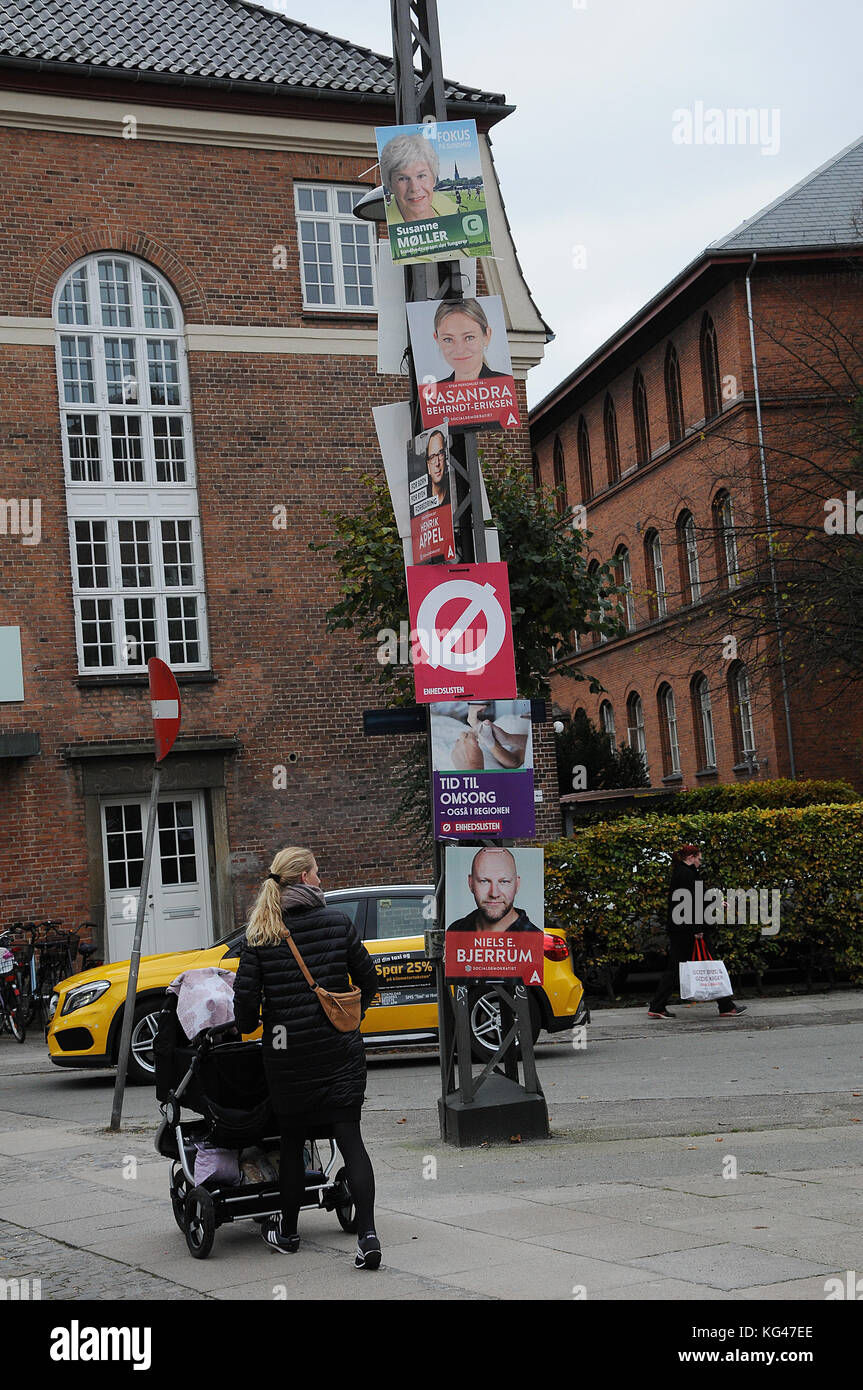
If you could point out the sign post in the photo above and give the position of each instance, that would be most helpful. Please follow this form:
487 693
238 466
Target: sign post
165 709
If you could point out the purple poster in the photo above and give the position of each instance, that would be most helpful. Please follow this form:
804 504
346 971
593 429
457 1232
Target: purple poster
482 762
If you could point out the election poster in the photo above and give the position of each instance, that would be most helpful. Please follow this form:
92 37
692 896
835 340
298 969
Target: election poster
461 631
433 191
392 322
430 489
495 917
482 769
462 362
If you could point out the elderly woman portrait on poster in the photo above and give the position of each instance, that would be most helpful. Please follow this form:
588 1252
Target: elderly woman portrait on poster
409 172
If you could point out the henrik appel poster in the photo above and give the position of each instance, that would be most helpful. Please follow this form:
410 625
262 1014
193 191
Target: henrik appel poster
430 496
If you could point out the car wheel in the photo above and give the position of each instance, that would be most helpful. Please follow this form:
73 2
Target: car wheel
142 1060
345 1210
200 1222
486 1026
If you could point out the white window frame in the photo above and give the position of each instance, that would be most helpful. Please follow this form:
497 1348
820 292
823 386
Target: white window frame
744 706
606 715
729 542
146 500
690 541
622 557
670 713
635 732
705 708
658 575
334 220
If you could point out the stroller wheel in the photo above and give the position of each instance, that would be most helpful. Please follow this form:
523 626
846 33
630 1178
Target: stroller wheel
179 1193
200 1222
344 1206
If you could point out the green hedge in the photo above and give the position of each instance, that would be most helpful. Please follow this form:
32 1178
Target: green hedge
733 796
608 884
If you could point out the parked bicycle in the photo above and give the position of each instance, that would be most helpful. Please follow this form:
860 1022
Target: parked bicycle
11 1019
44 954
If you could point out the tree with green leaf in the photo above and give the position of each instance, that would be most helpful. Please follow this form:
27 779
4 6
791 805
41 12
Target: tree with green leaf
582 745
552 593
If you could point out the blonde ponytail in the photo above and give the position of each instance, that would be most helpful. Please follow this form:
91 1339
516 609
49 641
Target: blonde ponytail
265 926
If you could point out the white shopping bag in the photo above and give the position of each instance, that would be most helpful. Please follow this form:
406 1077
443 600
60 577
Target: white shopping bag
704 979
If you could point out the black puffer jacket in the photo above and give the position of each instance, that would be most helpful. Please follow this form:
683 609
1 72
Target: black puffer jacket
318 1072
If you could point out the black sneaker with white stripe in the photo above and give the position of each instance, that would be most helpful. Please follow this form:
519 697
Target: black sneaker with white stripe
368 1252
271 1234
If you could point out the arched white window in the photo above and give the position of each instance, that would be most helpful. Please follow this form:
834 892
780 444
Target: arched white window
703 710
635 730
728 541
623 577
606 719
135 536
670 740
656 571
691 572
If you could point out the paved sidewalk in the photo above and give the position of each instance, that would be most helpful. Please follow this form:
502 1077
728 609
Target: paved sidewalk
606 1218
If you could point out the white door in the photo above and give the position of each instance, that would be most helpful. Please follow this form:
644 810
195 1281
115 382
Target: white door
177 916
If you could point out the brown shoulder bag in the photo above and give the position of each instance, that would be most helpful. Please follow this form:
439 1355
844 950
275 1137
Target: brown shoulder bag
343 1010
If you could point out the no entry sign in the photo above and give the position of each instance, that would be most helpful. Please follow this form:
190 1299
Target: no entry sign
165 706
462 632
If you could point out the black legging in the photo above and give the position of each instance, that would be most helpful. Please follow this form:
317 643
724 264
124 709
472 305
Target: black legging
680 948
361 1177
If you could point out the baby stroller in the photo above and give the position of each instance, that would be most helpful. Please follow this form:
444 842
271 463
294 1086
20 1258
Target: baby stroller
222 1081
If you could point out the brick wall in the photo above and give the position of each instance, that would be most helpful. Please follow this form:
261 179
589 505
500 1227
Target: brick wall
269 429
804 327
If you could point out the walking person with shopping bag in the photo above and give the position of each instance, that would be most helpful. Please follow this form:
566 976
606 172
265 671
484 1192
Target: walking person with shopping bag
297 960
687 938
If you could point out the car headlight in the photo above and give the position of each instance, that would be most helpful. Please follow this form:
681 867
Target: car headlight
52 1006
82 995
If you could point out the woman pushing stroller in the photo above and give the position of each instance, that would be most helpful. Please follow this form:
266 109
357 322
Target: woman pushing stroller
316 1074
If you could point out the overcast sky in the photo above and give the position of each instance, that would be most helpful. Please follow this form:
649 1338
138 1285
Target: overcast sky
588 161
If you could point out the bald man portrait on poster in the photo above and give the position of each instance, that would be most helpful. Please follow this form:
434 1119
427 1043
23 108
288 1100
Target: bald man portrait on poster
490 941
494 882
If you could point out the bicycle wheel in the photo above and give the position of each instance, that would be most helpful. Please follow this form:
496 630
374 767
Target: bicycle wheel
17 1024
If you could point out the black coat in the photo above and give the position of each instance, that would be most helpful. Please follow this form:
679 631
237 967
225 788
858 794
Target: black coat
313 1071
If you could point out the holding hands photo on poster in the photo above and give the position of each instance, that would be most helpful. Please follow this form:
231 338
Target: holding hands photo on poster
430 496
462 362
495 914
482 764
433 191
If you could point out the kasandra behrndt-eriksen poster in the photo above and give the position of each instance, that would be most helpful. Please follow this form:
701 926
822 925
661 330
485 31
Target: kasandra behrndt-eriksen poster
462 362
482 767
430 496
495 914
433 191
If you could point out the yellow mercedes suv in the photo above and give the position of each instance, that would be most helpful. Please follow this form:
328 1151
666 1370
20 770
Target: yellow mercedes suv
87 1009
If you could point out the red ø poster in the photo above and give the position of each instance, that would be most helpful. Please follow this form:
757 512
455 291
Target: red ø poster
461 632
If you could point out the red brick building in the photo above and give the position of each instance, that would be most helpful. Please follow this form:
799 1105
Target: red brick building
657 436
188 364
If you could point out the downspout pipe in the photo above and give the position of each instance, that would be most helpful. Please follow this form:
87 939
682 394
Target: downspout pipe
770 546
